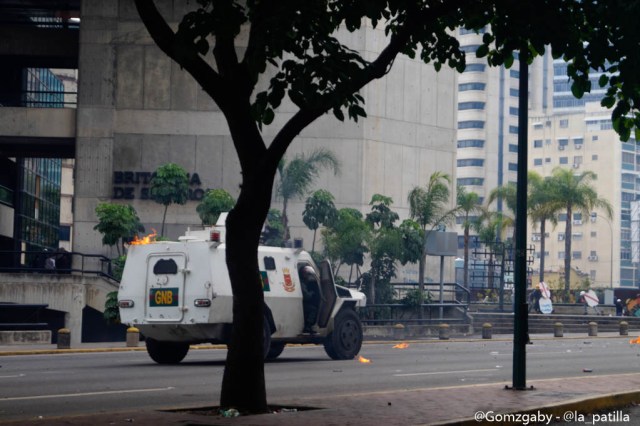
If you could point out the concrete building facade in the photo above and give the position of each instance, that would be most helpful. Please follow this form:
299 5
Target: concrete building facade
137 110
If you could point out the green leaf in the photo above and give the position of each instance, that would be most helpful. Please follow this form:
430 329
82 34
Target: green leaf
577 89
608 101
202 46
603 80
268 116
508 60
482 51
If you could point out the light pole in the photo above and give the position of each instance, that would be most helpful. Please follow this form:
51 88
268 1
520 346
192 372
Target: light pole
611 250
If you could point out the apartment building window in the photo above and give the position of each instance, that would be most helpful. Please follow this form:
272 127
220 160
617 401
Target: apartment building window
514 73
562 217
472 181
564 123
578 142
513 167
471 124
474 68
564 160
537 143
463 87
471 162
563 142
470 105
464 31
514 92
547 160
576 255
537 161
513 147
471 143
513 130
594 157
471 48
560 255
513 111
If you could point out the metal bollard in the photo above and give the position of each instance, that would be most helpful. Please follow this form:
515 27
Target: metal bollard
444 332
593 329
64 338
487 329
624 328
133 337
558 330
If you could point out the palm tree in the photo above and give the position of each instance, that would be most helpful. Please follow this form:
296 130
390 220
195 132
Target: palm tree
542 207
297 176
577 195
427 206
468 203
490 226
507 194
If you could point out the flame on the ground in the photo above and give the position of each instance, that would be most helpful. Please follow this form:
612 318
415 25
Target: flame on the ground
401 346
147 239
363 360
636 341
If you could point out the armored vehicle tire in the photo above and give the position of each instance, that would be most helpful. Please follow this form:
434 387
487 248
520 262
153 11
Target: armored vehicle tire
166 352
345 341
275 350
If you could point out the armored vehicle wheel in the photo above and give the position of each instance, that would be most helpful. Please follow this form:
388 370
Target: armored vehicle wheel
275 350
166 352
345 341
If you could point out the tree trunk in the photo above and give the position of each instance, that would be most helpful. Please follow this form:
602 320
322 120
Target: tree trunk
567 251
421 266
285 221
466 257
313 244
543 226
164 218
372 288
243 384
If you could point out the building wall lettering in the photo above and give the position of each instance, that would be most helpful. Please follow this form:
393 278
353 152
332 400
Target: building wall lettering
129 185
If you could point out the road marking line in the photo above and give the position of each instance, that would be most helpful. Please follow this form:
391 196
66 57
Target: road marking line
8 377
446 372
68 395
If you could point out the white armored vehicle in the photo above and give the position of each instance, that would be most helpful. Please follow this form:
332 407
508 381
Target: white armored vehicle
179 293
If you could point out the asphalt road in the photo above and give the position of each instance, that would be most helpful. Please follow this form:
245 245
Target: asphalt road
33 386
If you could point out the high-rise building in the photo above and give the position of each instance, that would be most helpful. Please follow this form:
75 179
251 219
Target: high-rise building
602 247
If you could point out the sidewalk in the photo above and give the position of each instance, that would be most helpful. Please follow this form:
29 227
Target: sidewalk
428 406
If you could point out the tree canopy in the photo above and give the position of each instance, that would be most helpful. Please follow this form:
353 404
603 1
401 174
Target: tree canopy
215 201
117 223
169 185
296 44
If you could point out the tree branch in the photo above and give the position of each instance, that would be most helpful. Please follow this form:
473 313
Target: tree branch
185 54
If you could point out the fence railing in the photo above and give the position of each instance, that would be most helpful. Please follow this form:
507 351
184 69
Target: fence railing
456 299
67 262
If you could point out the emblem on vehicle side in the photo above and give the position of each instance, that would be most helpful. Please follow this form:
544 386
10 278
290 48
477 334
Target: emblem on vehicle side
288 282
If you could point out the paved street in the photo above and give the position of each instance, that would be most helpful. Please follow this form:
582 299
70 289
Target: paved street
52 385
